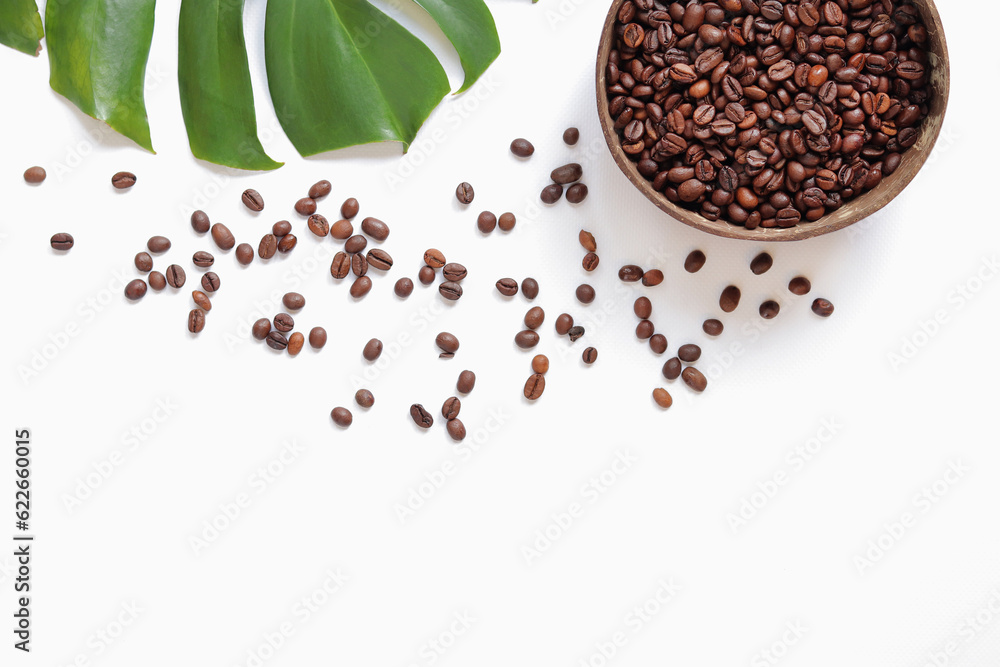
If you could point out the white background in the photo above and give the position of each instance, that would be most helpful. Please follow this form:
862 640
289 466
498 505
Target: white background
897 428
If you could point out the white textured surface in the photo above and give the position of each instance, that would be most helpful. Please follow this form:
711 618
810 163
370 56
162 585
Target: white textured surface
897 429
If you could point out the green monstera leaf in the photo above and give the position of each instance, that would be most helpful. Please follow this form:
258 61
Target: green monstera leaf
21 26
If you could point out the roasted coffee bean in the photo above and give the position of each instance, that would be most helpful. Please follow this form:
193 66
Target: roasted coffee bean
356 243
305 206
373 349
403 288
361 287
293 301
244 254
320 189
521 148
590 261
575 333
694 379
123 180
644 330
276 341
223 237
196 321
571 136
672 368
585 294
157 281
761 264
466 382
281 228
342 230
822 307
426 275
551 193
252 200
689 353
652 278
359 265
175 276
451 291
135 290
507 286
287 243
375 228
318 225
434 258
662 398
486 222
210 282
342 417
526 339
563 324
364 398
295 343
350 208
769 309
201 300
566 174
643 308
420 416
261 328
200 222
379 259
712 327
284 322
630 273
317 338
540 364
730 299
590 355
456 429
694 261
534 387
658 343
588 241
203 259
268 246
454 272
143 262
534 317
464 193
34 175
576 193
341 266
447 342
799 285
506 222
158 244
529 288
452 406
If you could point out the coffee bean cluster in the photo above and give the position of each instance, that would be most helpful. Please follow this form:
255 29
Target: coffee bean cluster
767 113
451 407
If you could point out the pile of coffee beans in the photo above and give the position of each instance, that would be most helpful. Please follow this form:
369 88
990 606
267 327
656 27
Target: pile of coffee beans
767 113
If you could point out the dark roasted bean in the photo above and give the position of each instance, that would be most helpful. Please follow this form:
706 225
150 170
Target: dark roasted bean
318 225
521 148
588 241
456 429
203 259
143 262
551 193
342 230
507 286
375 228
158 244
451 291
287 243
201 300
571 136
359 265
34 175
200 222
281 227
379 259
563 324
454 272
434 258
590 261
585 294
643 308
799 285
486 222
295 343
761 264
261 328
342 417
157 281
672 368
123 180
361 287
210 282
534 387
293 301
284 322
356 243
223 237
534 317
320 189
244 253
644 330
341 266
276 341
135 290
712 327
451 408
420 416
590 355
575 333
403 288
466 382
630 273
529 288
373 349
652 278
506 222
689 353
196 321
576 193
426 275
464 193
175 276
252 200
822 307
769 309
364 398
730 299
305 206
526 339
694 379
566 174
658 343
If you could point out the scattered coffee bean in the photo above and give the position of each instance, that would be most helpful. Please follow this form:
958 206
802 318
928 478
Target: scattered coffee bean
318 225
268 246
730 299
630 273
244 254
361 287
521 148
590 261
566 174
799 286
526 339
426 275
158 244
672 368
575 333
61 241
464 193
590 355
769 309
694 261
486 222
135 290
643 308
364 398
506 221
452 406
571 136
320 189
551 193
123 180
157 281
658 343
652 278
342 230
576 193
540 364
447 342
379 259
563 324
456 429
454 272
175 276
529 288
689 353
276 341
261 328
350 208
281 228
507 286
359 265
585 294
252 200
196 321
144 262
403 288
287 243
284 322
761 264
466 382
342 417
293 301
693 378
223 237
534 387
295 343
356 243
210 282
203 259
317 338
201 300
305 206
644 330
451 291
34 175
534 318
434 258
822 307
588 241
662 398
375 228
712 327
200 222
420 416
341 265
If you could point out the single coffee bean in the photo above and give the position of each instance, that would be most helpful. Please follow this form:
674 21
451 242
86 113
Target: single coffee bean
563 324
210 282
451 291
464 193
135 290
375 228
342 230
295 343
158 244
761 264
534 387
566 174
356 243
359 265
551 193
268 246
652 278
403 288
342 417
571 136
284 322
452 406
644 330
658 343
672 368
534 318
507 286
287 243
420 416
730 299
261 328
486 222
590 355
350 208
590 261
373 349
529 287
454 272
712 327
769 309
822 307
689 353
34 175
252 200
200 222
576 193
201 300
434 258
426 275
456 429
223 237
506 221
320 189
575 333
157 281
144 262
317 338
203 259
61 241
662 398
293 301
643 308
175 276
630 273
276 341
281 228
694 261
466 382
318 225
305 206
799 285
244 254
521 148
123 180
540 364
588 241
361 287
585 294
341 265
379 259
526 339
447 342
694 379
196 321
364 398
